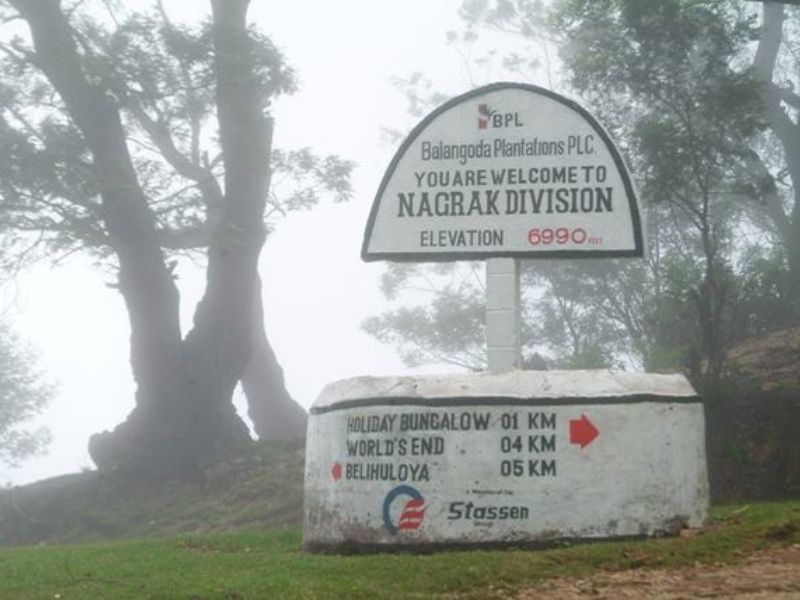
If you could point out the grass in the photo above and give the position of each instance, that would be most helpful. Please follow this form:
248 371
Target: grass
254 490
269 564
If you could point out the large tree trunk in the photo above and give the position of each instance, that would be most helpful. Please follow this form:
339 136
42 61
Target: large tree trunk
787 131
184 416
274 414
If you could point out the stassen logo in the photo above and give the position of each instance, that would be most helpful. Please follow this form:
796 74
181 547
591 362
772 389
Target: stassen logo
412 513
488 118
468 511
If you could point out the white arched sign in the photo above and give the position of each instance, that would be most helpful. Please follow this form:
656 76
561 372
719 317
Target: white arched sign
507 170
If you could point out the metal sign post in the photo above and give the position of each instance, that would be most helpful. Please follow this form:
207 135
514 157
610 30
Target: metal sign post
501 173
503 314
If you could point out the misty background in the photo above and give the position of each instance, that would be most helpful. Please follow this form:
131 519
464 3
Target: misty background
348 56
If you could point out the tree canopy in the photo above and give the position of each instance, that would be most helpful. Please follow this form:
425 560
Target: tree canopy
24 392
138 139
699 97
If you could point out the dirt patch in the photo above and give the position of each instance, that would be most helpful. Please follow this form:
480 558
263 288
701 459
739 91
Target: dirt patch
773 574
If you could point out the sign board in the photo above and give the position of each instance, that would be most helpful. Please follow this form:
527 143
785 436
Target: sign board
526 457
507 170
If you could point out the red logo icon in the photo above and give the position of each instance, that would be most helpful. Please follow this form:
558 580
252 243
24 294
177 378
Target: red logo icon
413 512
485 114
412 515
336 471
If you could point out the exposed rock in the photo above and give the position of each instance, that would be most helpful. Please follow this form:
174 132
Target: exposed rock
772 362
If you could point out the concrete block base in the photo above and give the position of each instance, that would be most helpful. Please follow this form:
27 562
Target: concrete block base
521 458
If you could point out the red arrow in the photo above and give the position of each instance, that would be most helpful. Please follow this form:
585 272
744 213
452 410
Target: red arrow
582 431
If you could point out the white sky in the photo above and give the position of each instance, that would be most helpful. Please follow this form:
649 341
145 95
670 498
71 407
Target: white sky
317 290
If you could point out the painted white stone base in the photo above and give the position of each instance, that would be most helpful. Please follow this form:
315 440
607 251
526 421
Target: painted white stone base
521 457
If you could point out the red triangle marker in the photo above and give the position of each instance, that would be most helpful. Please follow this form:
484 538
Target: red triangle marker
582 431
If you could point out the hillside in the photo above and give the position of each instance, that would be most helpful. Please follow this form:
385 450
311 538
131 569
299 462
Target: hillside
745 552
772 361
751 430
260 489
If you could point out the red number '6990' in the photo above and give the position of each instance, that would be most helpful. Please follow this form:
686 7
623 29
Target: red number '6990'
561 235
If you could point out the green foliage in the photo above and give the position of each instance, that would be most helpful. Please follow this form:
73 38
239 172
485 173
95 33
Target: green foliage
132 138
640 45
300 177
24 392
691 114
766 290
672 81
523 17
161 75
449 328
564 318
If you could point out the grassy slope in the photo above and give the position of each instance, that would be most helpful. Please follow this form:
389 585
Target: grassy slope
270 565
263 488
187 546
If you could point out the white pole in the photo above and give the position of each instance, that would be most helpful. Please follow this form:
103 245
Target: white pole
503 314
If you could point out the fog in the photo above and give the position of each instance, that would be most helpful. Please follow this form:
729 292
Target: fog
316 289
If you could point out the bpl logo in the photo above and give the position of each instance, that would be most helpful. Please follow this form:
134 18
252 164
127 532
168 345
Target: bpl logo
497 120
412 514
